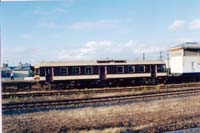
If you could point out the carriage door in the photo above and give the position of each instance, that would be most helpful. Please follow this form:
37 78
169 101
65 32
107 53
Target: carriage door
102 72
153 71
48 74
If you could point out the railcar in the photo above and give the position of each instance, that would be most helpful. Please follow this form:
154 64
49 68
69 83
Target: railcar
100 73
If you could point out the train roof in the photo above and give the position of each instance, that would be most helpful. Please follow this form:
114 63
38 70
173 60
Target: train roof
94 63
186 45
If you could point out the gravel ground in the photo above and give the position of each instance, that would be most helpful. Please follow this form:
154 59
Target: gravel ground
153 116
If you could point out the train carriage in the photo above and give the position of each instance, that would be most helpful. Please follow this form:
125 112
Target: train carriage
101 72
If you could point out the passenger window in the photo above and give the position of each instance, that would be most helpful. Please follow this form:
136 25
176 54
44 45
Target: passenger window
76 70
161 68
88 70
131 69
120 69
141 68
63 71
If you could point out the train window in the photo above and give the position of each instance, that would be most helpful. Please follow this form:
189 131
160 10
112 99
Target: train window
161 68
76 70
141 68
131 69
88 70
120 69
63 71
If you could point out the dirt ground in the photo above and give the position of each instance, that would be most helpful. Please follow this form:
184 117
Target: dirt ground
154 116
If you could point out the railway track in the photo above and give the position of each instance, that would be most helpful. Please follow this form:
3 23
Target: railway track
92 91
99 100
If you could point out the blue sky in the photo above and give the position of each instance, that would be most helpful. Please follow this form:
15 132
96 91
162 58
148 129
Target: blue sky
34 31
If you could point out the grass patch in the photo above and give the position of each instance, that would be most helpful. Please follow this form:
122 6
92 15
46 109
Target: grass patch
138 116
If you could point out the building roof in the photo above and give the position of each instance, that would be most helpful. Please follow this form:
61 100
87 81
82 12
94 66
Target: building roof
6 69
186 45
93 63
23 67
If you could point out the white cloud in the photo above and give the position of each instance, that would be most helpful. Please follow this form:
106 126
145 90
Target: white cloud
23 0
20 54
41 11
194 25
177 25
100 24
30 54
93 25
182 40
27 36
50 25
93 50
60 10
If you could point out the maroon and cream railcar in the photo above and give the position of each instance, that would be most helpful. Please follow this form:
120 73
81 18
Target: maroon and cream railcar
106 72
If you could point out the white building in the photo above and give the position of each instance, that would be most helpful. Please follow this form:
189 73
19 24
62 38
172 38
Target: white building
185 58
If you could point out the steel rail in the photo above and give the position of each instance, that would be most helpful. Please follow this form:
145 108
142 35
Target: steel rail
98 100
91 91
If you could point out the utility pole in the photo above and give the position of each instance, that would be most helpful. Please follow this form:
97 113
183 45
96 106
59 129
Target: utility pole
168 63
160 55
143 55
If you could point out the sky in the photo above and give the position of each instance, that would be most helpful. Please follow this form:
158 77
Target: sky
63 30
